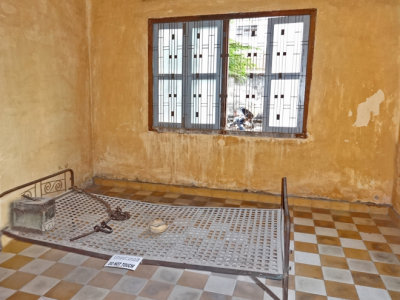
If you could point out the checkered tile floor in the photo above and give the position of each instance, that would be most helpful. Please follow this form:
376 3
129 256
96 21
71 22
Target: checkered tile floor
337 254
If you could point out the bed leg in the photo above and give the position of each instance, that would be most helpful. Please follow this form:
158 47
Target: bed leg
265 288
285 287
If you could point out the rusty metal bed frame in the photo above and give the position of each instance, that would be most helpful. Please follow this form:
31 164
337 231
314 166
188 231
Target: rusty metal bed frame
240 241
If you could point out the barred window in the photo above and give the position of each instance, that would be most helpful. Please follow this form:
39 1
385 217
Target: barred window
232 74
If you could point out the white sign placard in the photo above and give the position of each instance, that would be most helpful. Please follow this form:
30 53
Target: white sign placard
124 262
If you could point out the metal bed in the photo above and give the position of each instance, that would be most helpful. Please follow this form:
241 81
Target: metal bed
241 241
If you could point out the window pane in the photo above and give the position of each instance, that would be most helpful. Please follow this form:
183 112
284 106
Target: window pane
246 73
287 48
203 102
204 49
170 101
284 104
170 44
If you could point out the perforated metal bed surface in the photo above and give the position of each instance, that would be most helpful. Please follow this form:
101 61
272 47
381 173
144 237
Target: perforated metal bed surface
234 240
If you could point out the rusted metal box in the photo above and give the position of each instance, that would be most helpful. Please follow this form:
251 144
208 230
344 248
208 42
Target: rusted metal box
33 214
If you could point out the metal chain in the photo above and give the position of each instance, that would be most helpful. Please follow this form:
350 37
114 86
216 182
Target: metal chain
117 215
103 228
105 203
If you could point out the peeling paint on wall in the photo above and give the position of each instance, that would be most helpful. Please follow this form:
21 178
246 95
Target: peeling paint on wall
371 105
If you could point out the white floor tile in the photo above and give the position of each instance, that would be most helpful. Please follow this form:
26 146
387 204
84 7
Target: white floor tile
5 256
39 285
303 221
338 275
373 237
291 245
81 275
307 258
369 293
305 237
292 268
37 266
4 273
383 257
90 293
310 285
392 283
352 243
115 270
182 292
360 265
130 285
73 259
34 251
389 230
167 275
5 292
330 250
395 248
220 285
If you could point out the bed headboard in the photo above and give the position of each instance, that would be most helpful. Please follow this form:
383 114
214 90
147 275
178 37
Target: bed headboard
51 184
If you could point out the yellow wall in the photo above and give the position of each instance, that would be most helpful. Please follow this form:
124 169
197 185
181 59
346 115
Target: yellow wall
44 92
353 121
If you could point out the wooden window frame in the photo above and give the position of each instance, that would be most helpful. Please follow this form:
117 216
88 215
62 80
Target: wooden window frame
225 18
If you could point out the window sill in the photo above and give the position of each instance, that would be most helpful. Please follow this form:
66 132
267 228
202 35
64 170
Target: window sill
232 133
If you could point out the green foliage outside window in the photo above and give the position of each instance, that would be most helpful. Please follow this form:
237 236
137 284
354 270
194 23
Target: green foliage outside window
238 62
